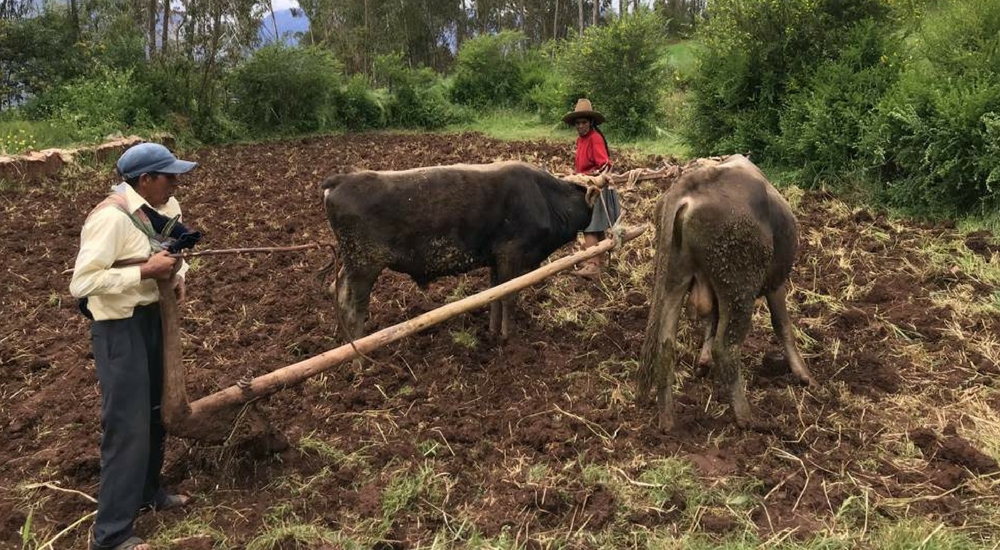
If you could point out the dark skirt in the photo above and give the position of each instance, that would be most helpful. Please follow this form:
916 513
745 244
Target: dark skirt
600 220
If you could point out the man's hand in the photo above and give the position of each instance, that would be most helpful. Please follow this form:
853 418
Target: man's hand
179 292
158 266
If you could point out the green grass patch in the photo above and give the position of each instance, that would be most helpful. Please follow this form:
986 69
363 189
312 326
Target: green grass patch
19 136
285 530
190 529
335 456
510 124
921 534
682 57
667 143
465 338
407 486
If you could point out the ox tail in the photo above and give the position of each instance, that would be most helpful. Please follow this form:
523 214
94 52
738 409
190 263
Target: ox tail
333 266
328 186
676 233
322 274
324 271
668 242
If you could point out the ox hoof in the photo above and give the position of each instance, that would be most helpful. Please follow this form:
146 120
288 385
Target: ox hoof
590 271
666 422
645 402
741 409
809 381
703 368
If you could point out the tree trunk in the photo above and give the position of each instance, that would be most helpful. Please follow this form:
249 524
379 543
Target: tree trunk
274 21
481 16
597 8
366 67
555 22
74 17
580 6
213 51
166 27
151 13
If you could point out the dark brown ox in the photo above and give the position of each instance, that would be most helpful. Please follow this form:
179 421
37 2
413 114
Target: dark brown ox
444 220
724 236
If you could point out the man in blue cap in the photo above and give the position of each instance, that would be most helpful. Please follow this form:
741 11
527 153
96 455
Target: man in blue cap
116 270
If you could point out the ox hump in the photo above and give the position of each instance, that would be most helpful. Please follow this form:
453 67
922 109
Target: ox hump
740 163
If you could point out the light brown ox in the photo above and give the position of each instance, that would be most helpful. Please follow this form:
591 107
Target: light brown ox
724 237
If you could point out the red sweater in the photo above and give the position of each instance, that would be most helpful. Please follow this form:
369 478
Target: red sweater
591 153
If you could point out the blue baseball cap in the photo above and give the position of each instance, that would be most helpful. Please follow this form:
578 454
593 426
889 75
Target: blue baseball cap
146 158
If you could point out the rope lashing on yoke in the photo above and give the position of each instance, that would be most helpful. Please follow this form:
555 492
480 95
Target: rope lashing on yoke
595 185
629 180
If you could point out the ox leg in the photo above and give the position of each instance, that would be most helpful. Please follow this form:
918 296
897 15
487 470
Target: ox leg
659 349
782 324
498 317
354 288
704 363
734 324
501 311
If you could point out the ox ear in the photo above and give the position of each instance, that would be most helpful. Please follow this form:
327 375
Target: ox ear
330 182
336 176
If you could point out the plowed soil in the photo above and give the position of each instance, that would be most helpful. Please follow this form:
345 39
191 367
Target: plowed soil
534 440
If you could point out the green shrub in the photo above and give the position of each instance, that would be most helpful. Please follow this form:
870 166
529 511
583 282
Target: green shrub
174 82
283 89
105 102
488 71
822 124
933 141
38 54
416 97
419 106
357 107
756 53
547 86
618 66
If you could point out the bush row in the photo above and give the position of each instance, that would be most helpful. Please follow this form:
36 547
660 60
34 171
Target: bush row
859 92
287 90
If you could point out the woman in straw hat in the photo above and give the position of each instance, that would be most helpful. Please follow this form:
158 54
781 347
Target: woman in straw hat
592 158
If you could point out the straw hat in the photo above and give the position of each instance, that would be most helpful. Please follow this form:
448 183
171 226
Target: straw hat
583 109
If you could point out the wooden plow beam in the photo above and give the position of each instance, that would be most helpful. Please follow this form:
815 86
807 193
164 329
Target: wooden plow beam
211 417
